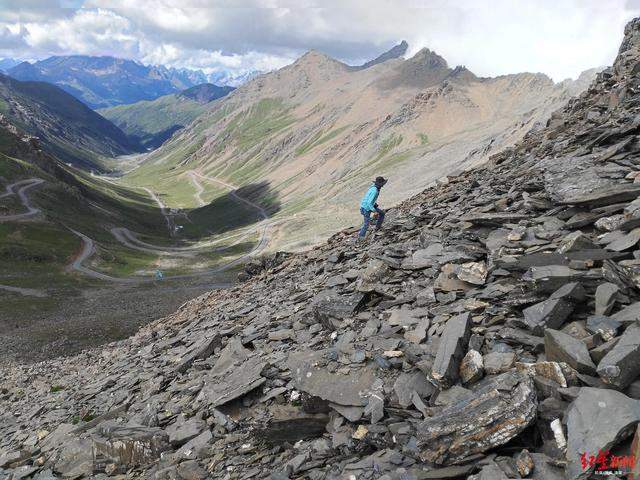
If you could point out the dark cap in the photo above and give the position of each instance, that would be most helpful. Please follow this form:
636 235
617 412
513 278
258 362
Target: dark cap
380 181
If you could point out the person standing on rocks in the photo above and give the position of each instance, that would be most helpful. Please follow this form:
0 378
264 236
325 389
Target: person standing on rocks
369 205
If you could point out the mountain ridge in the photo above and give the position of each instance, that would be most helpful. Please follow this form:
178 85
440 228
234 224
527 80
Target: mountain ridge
330 128
152 122
70 129
97 81
394 52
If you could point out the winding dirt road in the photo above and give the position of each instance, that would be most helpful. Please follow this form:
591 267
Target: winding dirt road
27 292
233 193
199 188
88 248
163 209
23 185
129 239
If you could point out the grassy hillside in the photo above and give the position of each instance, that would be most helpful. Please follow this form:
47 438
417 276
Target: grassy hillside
66 127
151 123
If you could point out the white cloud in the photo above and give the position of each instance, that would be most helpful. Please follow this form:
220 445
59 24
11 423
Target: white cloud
560 38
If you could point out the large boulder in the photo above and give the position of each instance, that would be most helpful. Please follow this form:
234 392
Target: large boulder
500 408
596 421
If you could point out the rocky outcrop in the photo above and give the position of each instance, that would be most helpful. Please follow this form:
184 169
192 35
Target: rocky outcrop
478 334
394 52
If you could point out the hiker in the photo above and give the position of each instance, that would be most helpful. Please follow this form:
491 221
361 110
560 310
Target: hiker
369 205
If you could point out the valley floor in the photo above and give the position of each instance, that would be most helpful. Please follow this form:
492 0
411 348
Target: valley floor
68 282
65 322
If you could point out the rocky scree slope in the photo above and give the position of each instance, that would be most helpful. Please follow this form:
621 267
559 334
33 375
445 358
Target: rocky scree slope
489 331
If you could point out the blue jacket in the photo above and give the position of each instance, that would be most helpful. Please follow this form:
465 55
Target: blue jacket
370 198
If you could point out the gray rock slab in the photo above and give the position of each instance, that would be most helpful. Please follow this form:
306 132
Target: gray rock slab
419 333
191 470
237 382
231 356
606 327
490 472
545 468
550 313
499 410
560 347
606 298
353 414
493 218
75 458
551 277
310 377
451 350
598 353
452 395
621 365
408 383
572 292
629 314
605 196
576 241
327 306
597 420
498 362
203 348
424 257
626 242
181 432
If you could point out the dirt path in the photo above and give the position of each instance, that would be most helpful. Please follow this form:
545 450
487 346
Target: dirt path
22 194
199 188
27 292
129 239
233 193
163 209
88 248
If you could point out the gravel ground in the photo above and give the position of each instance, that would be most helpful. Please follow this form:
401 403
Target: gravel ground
92 317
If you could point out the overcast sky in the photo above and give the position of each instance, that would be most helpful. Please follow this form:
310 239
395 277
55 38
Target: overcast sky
557 37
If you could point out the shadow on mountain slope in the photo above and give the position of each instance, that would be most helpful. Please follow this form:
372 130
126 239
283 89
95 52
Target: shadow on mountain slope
232 210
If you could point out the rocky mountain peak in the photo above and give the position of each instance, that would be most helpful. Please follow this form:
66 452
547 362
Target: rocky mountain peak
106 81
463 74
626 62
396 51
316 58
429 59
314 66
